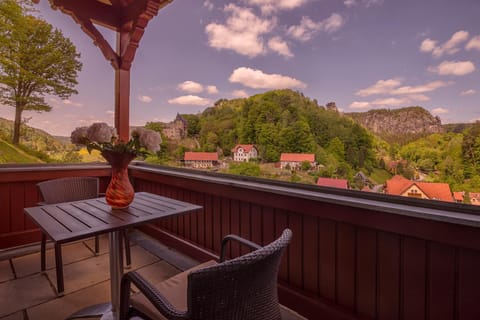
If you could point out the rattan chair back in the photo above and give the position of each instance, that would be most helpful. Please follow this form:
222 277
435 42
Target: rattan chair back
69 189
242 288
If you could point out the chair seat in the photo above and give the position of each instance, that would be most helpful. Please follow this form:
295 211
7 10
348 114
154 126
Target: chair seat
175 290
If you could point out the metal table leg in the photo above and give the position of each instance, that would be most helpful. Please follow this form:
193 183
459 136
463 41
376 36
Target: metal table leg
108 310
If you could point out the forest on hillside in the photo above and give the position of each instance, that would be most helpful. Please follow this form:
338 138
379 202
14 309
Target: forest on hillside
285 121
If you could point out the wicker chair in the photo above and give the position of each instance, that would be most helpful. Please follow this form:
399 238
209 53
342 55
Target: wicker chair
244 288
64 190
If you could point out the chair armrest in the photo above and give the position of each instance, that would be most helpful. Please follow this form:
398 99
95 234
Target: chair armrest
41 203
243 241
152 294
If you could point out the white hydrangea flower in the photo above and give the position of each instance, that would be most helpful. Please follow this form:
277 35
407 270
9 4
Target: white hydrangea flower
150 140
100 132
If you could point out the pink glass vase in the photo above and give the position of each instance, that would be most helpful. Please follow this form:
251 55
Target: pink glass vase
120 191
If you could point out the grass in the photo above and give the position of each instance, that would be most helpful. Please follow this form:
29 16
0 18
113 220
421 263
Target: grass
11 154
379 176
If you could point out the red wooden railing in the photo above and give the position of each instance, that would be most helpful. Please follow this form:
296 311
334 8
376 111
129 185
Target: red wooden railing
354 255
18 190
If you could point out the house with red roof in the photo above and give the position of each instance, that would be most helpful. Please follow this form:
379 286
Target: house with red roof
401 186
332 182
244 152
294 160
200 160
459 197
474 198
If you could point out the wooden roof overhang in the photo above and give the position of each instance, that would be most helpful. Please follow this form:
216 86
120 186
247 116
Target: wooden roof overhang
128 18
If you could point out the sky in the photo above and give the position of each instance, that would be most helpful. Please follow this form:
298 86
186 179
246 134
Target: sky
360 54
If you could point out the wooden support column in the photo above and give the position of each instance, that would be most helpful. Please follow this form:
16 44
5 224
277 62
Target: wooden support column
122 91
122 103
128 18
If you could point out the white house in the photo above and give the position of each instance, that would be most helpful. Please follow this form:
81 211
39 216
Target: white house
244 152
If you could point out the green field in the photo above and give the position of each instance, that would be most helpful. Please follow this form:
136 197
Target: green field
380 176
11 154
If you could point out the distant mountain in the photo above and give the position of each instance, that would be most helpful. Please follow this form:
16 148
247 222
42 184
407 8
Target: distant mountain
457 127
399 125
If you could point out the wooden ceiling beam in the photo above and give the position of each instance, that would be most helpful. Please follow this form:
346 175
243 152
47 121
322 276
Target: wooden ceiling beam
98 39
103 14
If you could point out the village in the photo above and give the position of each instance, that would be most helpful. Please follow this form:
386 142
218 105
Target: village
294 162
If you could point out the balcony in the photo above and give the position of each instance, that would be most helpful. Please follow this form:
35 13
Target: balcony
354 255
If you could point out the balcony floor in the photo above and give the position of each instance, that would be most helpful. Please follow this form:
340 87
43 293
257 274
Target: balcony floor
26 293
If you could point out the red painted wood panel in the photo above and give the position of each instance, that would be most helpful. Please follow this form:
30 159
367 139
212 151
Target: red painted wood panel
235 225
226 228
388 276
295 250
256 225
327 258
17 196
208 208
441 282
414 275
5 208
281 222
201 222
245 225
32 197
268 225
310 253
345 275
188 217
468 285
217 223
366 272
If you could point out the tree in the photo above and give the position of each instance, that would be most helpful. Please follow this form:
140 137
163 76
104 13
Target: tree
35 60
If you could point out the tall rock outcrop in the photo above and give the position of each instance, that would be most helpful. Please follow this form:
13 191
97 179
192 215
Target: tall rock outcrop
399 125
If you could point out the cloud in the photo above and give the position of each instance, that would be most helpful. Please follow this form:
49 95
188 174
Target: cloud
372 3
392 87
280 46
455 68
239 94
212 90
381 87
366 3
437 111
208 4
271 6
71 103
468 92
241 33
449 47
360 105
428 87
392 102
257 79
190 100
110 112
474 43
145 99
308 28
190 86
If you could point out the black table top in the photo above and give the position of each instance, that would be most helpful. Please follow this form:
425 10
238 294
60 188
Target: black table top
69 221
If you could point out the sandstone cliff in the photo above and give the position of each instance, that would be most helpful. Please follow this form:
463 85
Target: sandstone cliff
399 125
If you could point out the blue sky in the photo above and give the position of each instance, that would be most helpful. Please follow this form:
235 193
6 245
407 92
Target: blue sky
362 54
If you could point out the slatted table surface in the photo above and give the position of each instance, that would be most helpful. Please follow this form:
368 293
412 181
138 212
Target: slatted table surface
69 221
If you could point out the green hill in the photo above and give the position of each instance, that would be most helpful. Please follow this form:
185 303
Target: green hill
11 154
36 143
